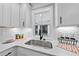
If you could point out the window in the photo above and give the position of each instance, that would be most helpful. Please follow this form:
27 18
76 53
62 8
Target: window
43 29
36 29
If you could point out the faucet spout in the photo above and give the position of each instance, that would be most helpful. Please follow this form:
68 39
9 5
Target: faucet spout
40 34
41 37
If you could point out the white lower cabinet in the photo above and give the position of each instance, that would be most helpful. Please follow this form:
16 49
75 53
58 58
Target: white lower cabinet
21 51
9 52
28 52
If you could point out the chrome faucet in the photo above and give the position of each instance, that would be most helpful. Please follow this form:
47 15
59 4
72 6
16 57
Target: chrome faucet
41 37
40 34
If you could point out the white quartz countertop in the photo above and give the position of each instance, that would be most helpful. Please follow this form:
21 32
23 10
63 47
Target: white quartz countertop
54 51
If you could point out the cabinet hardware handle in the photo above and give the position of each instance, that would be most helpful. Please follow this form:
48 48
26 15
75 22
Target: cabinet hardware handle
23 23
60 20
8 53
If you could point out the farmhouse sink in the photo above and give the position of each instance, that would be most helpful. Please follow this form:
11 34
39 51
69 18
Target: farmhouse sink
40 43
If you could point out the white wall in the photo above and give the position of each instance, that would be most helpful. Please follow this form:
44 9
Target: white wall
9 33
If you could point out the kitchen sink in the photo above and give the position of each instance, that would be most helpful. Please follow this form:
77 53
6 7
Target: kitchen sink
40 43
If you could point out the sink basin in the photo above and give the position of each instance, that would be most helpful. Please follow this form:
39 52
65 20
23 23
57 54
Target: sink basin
40 43
8 41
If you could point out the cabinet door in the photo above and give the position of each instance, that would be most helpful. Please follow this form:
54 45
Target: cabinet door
1 14
28 13
25 15
6 14
22 15
9 52
68 13
28 52
15 15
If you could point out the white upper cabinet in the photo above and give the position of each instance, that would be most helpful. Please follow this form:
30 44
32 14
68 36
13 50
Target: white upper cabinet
22 15
9 15
28 21
0 14
67 14
15 15
5 15
25 15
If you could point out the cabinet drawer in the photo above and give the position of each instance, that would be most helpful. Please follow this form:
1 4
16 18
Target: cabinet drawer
28 52
8 52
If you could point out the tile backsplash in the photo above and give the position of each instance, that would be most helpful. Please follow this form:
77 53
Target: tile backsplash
72 32
9 33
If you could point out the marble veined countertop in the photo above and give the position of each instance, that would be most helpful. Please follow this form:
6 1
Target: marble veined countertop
53 51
